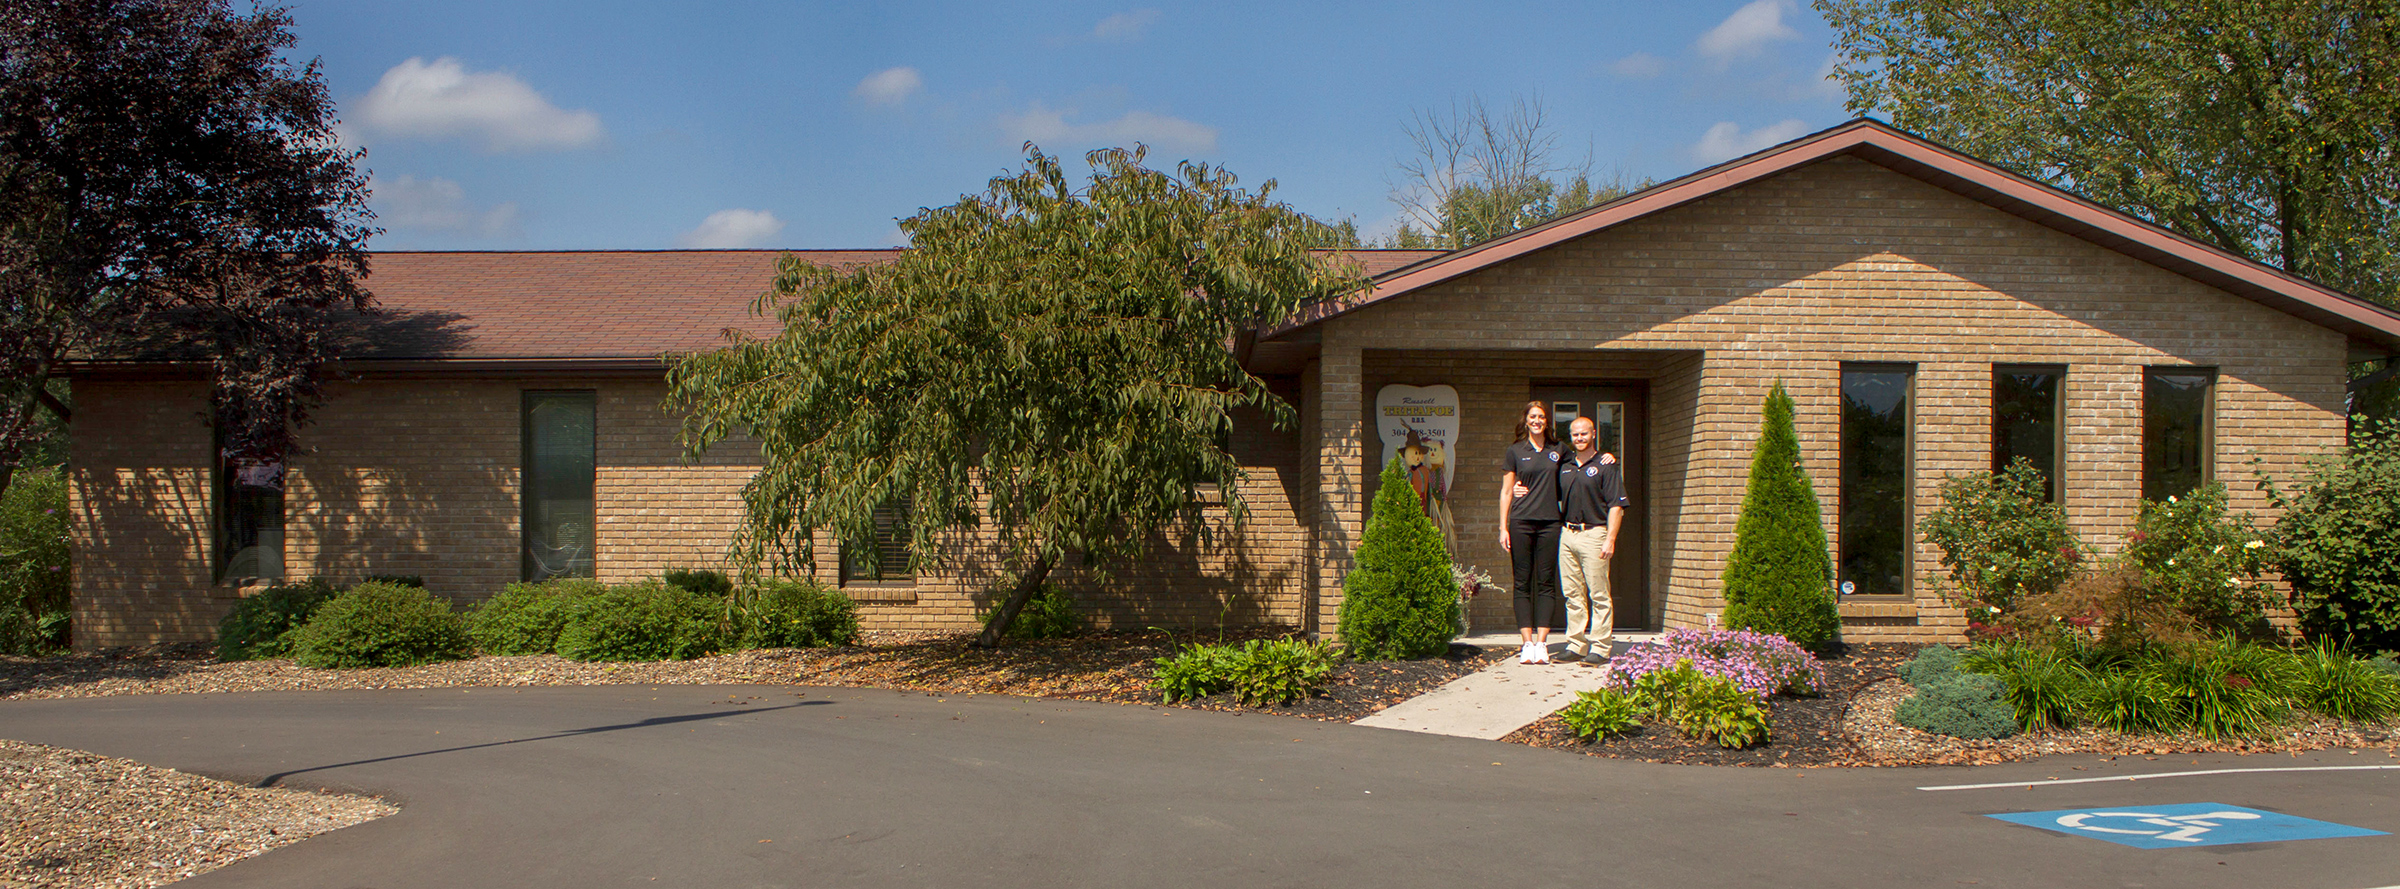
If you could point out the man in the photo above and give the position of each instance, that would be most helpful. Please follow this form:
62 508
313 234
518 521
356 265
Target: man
1591 494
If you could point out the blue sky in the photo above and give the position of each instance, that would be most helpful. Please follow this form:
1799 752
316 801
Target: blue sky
601 125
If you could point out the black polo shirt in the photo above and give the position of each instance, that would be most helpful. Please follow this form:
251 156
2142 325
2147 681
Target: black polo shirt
1588 490
1537 470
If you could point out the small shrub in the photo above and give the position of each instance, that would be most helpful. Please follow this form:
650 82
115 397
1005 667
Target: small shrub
1658 692
1779 578
381 625
2042 685
1932 664
2344 687
1400 600
2000 539
261 625
1198 671
2131 701
1761 663
2116 606
1716 709
1049 614
798 614
1601 713
1281 671
2336 540
2228 689
526 618
1965 705
644 622
2203 563
700 581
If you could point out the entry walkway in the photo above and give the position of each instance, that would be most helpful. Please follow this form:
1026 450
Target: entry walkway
1501 698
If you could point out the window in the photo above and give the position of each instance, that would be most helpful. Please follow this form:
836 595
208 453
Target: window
560 466
249 533
2176 430
883 559
2025 419
1876 475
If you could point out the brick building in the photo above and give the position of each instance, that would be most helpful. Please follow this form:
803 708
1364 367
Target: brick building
1929 313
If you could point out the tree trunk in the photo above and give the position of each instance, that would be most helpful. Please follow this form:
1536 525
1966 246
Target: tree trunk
996 629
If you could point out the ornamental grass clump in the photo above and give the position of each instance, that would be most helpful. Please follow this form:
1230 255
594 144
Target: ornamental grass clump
1763 664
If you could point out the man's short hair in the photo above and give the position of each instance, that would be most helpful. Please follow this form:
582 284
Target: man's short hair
1584 420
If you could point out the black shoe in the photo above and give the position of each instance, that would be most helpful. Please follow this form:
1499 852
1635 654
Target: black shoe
1566 657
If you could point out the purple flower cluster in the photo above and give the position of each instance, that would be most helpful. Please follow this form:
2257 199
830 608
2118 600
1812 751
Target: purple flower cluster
1763 664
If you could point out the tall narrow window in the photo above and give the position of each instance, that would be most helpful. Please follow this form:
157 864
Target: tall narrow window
2025 419
883 558
560 466
249 499
2176 422
1875 478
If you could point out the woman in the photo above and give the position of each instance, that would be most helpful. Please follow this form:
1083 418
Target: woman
1530 529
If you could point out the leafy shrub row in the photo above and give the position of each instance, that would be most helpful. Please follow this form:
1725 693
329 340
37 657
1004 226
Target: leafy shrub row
1261 671
391 623
36 575
2218 689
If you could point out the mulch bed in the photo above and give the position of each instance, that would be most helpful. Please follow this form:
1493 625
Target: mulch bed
1803 732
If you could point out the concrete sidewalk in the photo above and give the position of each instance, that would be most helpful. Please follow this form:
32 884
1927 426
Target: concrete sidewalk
1501 698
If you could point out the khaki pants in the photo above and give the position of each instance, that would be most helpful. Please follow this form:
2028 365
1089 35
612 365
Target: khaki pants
1583 576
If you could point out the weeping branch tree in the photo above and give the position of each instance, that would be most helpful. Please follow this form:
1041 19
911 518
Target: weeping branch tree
1052 366
170 187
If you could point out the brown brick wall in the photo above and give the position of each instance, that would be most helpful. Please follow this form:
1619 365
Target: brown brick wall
140 501
1846 261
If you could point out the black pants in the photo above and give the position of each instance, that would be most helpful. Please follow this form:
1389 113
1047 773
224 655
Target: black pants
1533 552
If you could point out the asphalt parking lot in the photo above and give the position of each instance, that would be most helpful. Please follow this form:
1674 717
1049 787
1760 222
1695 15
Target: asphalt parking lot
777 786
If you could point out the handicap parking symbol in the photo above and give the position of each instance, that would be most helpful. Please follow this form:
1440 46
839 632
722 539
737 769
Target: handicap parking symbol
2183 825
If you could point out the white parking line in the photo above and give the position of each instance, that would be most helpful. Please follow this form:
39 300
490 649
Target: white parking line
2031 784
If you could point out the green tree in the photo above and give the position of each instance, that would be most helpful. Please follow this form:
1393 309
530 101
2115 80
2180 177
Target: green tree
1779 578
170 187
1477 174
1046 362
2265 128
1399 601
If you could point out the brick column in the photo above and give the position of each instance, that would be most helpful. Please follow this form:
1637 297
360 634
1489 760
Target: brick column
1341 510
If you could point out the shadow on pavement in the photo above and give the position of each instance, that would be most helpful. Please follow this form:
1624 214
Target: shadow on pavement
278 777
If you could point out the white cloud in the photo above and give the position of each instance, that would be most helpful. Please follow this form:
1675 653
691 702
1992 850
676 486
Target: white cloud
727 229
442 100
1827 83
1746 31
1124 26
890 86
1044 126
1639 66
440 205
1726 140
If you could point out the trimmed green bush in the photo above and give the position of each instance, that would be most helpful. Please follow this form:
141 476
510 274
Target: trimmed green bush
381 625
2000 538
2336 540
1399 601
1779 578
36 575
701 581
1050 614
644 622
798 614
526 618
1601 713
261 625
1965 705
1932 664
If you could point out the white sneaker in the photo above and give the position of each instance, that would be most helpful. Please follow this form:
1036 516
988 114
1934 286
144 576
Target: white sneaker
1525 654
1541 653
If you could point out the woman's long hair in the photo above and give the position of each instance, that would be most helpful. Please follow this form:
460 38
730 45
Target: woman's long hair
1549 435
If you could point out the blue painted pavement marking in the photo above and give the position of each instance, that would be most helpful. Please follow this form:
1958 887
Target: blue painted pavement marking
2183 825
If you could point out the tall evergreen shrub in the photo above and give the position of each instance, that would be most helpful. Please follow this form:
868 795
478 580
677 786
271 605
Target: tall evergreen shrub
1780 579
1399 600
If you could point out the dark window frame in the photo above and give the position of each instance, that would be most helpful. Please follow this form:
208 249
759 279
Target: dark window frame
2207 433
223 549
2055 477
893 547
1908 472
530 568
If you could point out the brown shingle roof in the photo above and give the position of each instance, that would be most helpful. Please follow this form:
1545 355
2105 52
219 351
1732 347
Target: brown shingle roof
584 305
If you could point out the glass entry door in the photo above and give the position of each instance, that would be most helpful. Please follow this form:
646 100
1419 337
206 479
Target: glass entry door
1618 412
